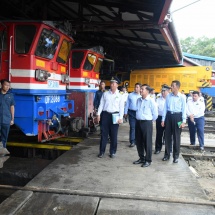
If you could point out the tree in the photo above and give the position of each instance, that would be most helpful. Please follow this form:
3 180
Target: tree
200 46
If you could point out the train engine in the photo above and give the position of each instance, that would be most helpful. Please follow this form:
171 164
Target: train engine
84 68
33 56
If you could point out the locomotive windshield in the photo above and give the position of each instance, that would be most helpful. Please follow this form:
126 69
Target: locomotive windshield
98 65
24 35
47 44
77 58
89 62
64 51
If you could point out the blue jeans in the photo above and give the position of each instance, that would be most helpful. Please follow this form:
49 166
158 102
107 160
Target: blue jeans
132 123
199 128
4 128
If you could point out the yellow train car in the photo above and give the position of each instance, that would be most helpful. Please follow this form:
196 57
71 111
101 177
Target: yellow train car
122 76
191 78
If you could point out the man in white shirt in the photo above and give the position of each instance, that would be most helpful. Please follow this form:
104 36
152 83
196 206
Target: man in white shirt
190 96
125 98
196 120
152 94
111 103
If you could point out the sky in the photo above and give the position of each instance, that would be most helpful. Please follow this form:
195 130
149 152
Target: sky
195 20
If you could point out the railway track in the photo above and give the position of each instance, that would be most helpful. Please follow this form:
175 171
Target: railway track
209 126
188 151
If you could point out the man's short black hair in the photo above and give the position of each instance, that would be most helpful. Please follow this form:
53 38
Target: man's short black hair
138 84
177 83
196 92
145 85
4 80
102 82
148 88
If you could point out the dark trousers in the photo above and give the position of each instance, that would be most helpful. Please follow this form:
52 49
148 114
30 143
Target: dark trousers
172 131
4 128
100 122
108 128
132 123
143 136
199 127
159 134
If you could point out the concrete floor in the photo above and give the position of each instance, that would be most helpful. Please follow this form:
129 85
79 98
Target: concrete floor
79 182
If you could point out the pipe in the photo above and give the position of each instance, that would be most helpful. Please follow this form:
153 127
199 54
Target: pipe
10 57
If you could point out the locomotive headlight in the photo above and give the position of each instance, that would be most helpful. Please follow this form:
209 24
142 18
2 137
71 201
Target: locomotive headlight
65 79
41 75
87 81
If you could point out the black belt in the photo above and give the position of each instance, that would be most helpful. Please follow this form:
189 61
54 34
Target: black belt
132 110
172 112
110 112
139 120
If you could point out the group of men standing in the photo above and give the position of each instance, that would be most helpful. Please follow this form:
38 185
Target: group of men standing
170 111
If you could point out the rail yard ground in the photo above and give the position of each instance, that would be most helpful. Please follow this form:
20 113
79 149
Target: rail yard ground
78 182
203 163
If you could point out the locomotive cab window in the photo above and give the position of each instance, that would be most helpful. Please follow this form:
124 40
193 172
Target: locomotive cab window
77 58
3 40
47 44
24 35
98 65
89 62
64 52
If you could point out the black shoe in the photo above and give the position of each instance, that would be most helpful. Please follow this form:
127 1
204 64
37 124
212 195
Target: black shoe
138 161
100 155
157 152
132 145
175 160
165 159
146 164
192 144
112 155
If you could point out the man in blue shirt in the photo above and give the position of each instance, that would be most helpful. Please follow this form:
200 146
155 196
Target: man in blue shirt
98 95
97 99
147 112
174 119
6 114
130 111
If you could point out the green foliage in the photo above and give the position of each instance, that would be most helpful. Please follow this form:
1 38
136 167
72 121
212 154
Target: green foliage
200 46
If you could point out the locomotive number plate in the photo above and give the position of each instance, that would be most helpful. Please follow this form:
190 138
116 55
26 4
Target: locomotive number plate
53 84
52 99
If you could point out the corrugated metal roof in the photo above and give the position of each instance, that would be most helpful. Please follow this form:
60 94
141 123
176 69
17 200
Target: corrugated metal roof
134 33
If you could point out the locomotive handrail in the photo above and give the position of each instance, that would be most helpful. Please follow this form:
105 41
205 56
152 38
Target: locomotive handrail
10 57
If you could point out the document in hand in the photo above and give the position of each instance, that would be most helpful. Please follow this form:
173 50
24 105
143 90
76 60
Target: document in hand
179 124
115 118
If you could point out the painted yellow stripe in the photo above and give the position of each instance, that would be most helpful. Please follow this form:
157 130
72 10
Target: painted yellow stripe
40 63
39 146
71 139
209 99
205 84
